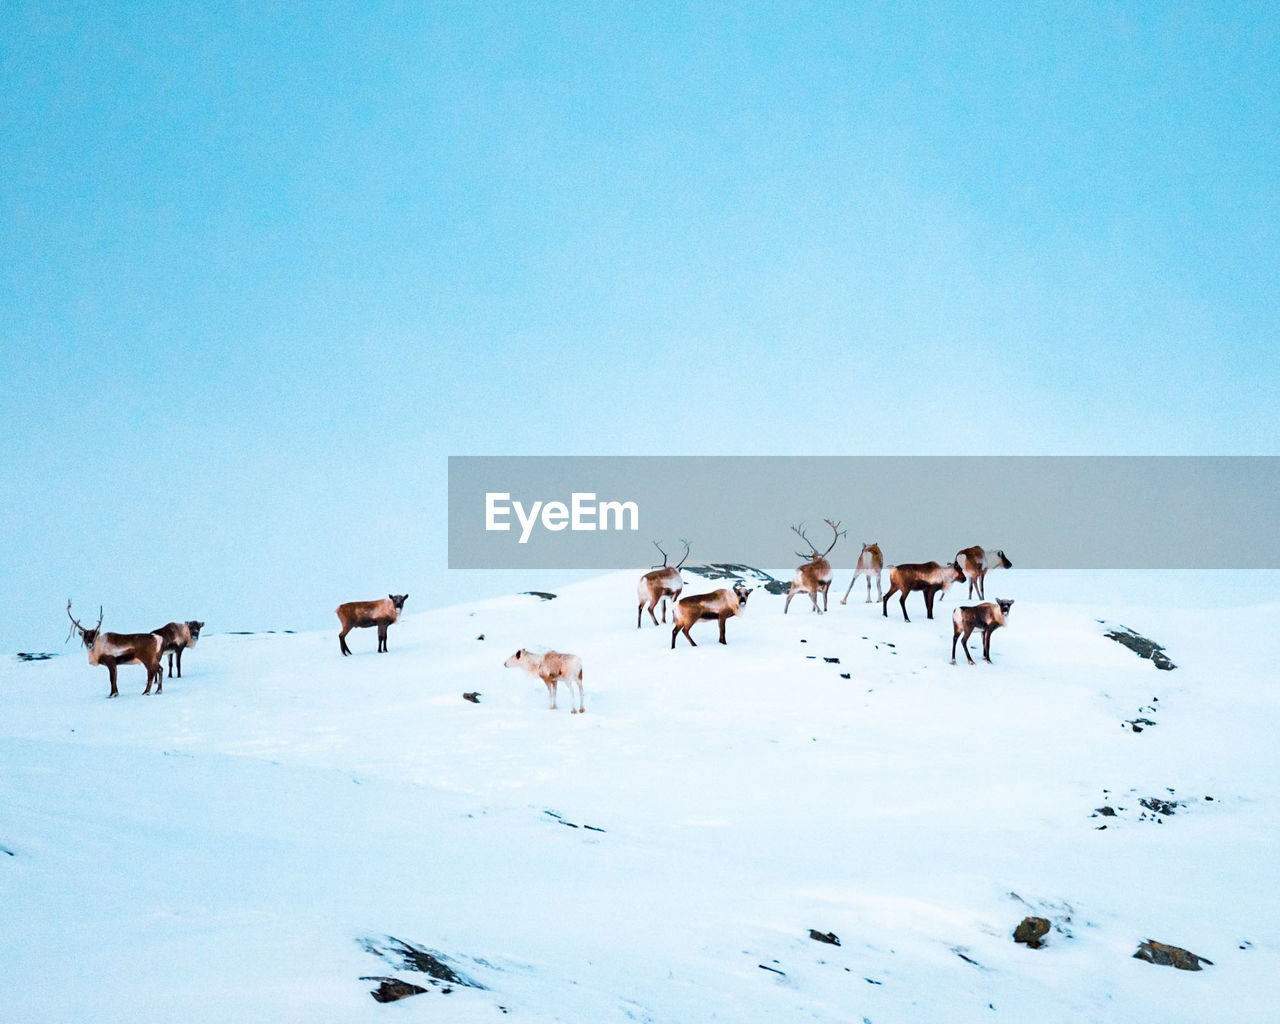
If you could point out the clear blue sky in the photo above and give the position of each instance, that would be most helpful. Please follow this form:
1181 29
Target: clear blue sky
263 270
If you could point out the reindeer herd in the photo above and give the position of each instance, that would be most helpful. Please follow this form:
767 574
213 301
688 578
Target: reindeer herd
659 590
664 584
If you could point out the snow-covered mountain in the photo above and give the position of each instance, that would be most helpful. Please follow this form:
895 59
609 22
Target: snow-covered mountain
283 822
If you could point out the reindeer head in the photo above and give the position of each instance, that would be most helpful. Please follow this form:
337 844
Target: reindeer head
194 627
1003 562
398 600
741 592
515 659
955 574
88 636
1005 605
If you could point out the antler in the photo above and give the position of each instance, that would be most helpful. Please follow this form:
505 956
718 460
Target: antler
835 528
664 556
75 623
813 552
686 552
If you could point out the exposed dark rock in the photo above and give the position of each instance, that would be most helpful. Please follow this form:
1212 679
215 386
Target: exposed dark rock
775 970
1154 803
391 989
480 637
539 593
844 675
571 824
1031 931
1169 956
409 957
473 697
735 570
832 661
35 655
828 937
1141 646
1106 812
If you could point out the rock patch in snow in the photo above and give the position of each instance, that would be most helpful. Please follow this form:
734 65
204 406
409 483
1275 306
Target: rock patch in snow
1169 956
1141 646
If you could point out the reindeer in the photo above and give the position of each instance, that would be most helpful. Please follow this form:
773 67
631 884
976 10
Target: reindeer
662 586
720 604
552 667
360 614
814 577
927 577
175 637
870 561
977 563
986 618
112 649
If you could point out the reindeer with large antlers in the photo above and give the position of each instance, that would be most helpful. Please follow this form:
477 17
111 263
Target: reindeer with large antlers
661 586
112 649
814 577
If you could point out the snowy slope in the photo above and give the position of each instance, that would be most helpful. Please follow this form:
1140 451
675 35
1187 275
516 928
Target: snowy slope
218 853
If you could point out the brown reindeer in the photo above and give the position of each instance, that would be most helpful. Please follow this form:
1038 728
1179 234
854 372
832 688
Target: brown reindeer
986 618
552 668
870 561
175 638
720 604
926 577
361 614
661 586
814 577
112 649
977 563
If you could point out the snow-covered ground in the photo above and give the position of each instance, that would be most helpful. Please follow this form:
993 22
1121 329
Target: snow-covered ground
221 851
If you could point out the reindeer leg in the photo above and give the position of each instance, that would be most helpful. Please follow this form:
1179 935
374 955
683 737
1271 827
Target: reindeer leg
986 646
877 588
551 692
723 618
982 585
790 594
967 632
569 683
845 599
111 670
342 641
928 601
652 606
826 590
903 602
159 677
955 635
171 664
892 590
674 632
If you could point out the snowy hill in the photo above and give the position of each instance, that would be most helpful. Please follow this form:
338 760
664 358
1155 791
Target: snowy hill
241 847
